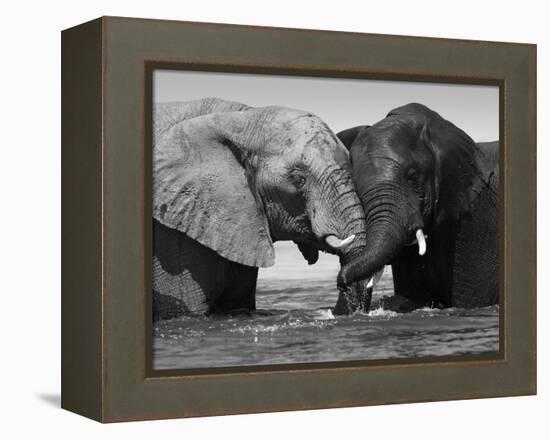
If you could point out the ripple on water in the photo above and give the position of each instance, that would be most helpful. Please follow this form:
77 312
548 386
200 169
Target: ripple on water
297 325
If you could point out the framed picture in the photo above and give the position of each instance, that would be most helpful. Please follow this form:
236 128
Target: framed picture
282 219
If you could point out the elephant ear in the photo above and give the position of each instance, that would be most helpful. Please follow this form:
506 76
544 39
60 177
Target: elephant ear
204 187
458 175
348 137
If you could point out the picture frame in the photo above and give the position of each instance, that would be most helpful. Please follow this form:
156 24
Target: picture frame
106 214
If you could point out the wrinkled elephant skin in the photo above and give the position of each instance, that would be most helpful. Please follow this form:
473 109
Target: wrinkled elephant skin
229 180
430 196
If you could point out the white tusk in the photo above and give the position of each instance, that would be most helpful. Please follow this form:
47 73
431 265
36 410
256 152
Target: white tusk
375 278
335 243
421 242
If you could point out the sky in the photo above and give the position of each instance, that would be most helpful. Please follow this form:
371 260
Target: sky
341 103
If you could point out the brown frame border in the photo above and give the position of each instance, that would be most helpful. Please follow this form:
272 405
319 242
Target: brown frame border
105 281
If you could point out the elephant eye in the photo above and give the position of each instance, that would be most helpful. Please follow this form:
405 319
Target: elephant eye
411 174
298 180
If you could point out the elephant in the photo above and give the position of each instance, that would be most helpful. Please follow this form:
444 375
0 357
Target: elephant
229 180
430 196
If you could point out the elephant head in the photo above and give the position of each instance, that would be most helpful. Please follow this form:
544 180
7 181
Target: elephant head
236 179
416 173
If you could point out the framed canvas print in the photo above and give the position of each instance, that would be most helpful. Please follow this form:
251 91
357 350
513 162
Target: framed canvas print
262 219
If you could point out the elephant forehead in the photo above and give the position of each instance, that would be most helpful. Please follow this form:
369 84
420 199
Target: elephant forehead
307 137
321 155
313 152
394 136
294 122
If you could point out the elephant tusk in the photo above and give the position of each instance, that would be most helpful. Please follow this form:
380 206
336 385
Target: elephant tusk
421 242
335 243
375 278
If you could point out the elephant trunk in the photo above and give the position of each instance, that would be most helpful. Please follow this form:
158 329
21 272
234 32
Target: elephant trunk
383 244
355 279
389 223
346 218
338 219
355 296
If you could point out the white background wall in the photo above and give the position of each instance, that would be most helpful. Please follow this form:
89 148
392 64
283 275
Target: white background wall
30 226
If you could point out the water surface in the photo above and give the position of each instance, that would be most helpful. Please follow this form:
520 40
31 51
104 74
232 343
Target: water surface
294 324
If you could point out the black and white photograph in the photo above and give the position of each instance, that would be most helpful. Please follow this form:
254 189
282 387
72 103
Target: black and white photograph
306 219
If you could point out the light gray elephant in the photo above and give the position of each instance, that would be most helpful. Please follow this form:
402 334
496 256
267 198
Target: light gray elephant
229 181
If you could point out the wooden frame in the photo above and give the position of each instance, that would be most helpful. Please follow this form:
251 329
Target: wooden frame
106 192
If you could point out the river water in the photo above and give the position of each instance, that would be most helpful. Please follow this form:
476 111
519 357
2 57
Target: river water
294 324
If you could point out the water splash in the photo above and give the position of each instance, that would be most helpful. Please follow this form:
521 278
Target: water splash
382 313
294 323
324 314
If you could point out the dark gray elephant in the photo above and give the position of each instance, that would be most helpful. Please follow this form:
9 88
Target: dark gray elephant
229 181
430 195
